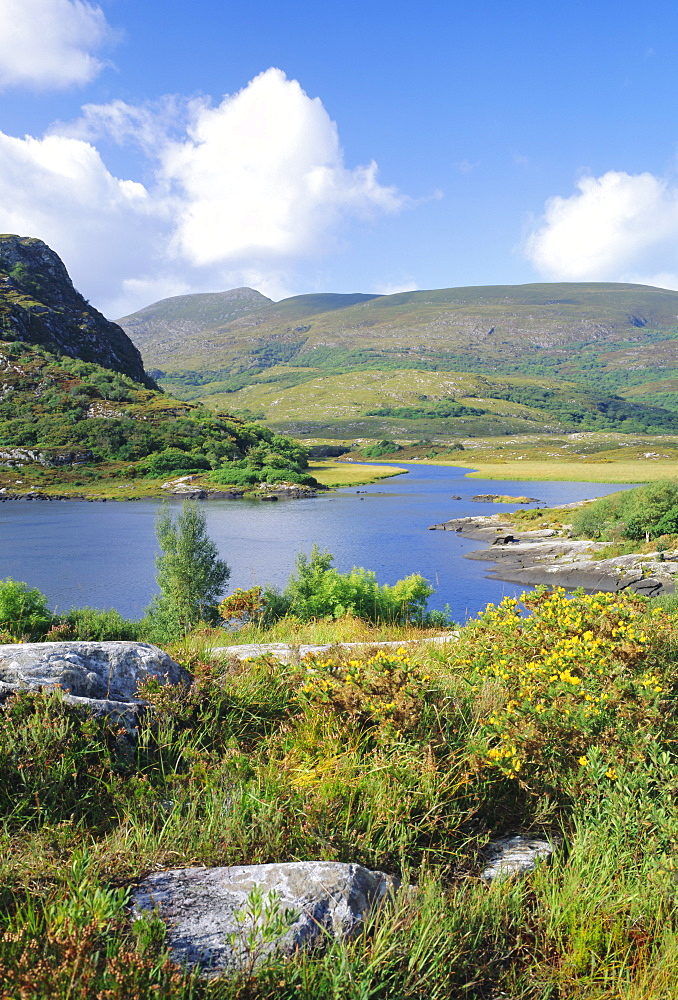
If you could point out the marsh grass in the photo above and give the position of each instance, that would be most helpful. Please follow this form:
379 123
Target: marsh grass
558 720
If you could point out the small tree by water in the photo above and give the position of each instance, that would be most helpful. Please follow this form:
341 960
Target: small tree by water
191 576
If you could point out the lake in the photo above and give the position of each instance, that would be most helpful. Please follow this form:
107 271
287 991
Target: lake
103 554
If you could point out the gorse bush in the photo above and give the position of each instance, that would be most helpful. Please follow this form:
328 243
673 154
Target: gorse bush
572 674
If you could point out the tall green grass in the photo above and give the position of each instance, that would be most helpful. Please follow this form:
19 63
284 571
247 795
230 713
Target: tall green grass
404 762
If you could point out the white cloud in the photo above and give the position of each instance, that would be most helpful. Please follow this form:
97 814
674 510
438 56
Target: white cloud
49 44
617 227
235 194
262 175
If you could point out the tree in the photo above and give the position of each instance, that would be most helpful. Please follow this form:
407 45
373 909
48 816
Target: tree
190 575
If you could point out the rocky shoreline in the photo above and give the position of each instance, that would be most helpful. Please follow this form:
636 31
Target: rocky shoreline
546 556
182 489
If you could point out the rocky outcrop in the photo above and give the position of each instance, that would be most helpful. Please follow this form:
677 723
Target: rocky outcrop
39 305
101 676
49 457
541 557
212 919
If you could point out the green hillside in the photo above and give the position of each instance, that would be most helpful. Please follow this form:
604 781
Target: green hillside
333 365
528 329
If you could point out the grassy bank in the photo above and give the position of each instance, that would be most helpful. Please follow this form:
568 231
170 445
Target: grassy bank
351 473
562 723
629 471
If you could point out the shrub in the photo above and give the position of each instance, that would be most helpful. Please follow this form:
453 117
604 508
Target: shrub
23 610
174 460
95 625
318 590
576 674
190 575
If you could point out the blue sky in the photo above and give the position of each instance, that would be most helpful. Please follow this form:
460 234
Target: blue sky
170 148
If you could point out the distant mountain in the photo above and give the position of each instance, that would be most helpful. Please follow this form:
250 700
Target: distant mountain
40 306
530 329
160 326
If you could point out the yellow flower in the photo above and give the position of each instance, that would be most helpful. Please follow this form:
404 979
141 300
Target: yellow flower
584 761
611 773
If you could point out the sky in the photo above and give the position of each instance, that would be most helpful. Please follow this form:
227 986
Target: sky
292 146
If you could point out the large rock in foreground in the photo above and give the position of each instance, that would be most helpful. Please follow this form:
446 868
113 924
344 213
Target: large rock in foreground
102 676
211 912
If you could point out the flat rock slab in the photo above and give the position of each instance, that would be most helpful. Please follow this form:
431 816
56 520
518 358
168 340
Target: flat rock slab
212 920
101 676
515 854
287 653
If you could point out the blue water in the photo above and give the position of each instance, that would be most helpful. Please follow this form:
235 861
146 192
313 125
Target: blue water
103 554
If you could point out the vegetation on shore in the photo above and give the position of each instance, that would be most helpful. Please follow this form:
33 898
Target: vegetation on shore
561 723
552 715
66 423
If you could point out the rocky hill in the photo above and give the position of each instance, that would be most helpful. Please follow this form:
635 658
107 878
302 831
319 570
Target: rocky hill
40 306
77 409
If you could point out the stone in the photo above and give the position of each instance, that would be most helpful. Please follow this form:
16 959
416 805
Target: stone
503 540
515 854
100 676
211 917
287 653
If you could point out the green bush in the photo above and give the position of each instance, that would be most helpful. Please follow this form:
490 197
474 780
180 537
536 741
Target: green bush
644 513
174 460
318 590
96 625
384 447
23 610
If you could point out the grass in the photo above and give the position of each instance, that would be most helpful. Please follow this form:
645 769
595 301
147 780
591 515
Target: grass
630 471
351 474
556 716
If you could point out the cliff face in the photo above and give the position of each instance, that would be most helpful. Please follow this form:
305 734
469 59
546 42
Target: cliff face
39 305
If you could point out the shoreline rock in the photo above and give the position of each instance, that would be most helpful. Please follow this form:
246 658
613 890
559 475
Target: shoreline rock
542 557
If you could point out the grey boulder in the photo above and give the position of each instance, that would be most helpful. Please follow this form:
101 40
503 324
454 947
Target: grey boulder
213 920
515 854
102 676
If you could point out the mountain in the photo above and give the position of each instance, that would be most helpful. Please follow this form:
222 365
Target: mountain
40 306
331 365
76 406
554 328
170 321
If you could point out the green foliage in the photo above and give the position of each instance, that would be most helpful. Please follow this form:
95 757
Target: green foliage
318 590
644 513
94 625
170 460
191 577
384 447
440 408
54 762
23 610
66 402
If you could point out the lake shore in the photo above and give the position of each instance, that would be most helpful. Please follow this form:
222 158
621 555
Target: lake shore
543 556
